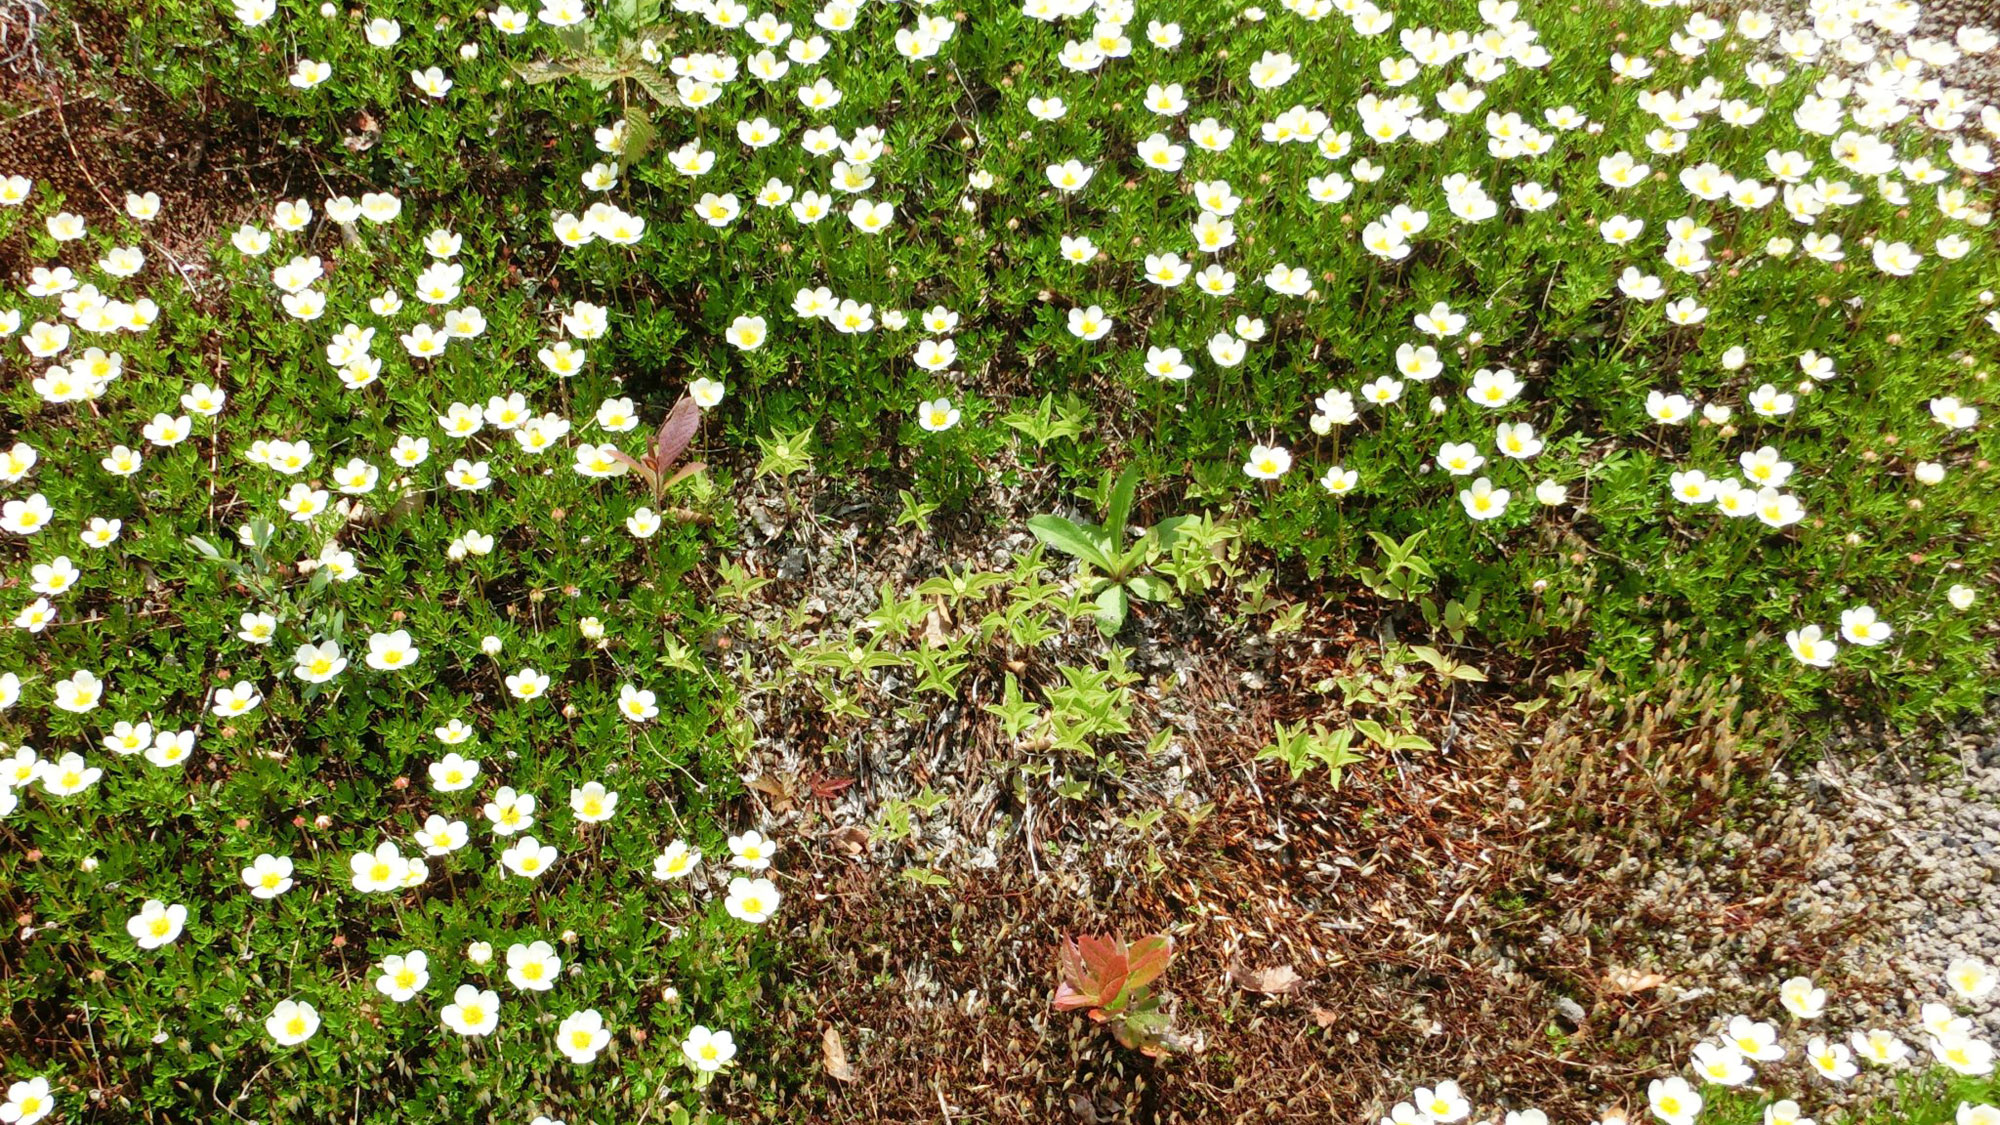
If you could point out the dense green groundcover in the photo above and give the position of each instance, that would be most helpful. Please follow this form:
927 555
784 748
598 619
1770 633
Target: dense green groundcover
1520 310
1539 291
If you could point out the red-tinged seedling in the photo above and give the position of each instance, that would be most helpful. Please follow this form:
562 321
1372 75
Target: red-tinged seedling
657 467
1112 981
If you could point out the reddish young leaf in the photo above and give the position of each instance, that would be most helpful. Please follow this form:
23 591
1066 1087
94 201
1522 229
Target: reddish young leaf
675 434
644 471
1146 959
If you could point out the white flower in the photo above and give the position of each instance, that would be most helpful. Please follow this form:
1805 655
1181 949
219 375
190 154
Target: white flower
533 967
1339 481
291 1023
379 871
1798 994
528 857
240 699
636 703
1442 1104
1494 388
1753 1039
317 664
156 924
581 1035
1482 501
78 693
268 876
562 13
1860 626
1440 321
1267 462
676 861
1952 414
1880 1047
432 82
472 1011
170 748
707 393
592 803
1459 458
1673 1101
1721 1064
1963 1054
708 1051
1832 1061
527 684
1811 647
388 652
1896 258
439 836
509 811
31 1100
751 851
937 415
1973 980
1089 323
453 772
404 975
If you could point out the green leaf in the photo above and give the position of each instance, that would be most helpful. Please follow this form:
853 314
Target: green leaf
545 70
1119 508
639 134
1071 539
1148 588
1111 607
1375 732
1168 532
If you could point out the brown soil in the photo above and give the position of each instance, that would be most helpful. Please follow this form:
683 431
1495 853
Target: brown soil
71 119
1498 912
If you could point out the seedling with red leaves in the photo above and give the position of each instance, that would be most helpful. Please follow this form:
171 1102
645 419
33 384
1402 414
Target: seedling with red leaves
656 468
1113 981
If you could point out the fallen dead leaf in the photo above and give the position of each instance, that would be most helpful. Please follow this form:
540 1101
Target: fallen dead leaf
835 1055
779 792
1272 982
852 839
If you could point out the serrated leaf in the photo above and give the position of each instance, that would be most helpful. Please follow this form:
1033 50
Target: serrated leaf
544 70
651 82
639 134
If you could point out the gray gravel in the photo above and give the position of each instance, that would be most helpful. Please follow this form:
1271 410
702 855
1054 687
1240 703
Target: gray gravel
1925 854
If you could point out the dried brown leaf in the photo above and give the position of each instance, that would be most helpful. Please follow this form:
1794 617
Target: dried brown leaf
1275 981
834 1053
